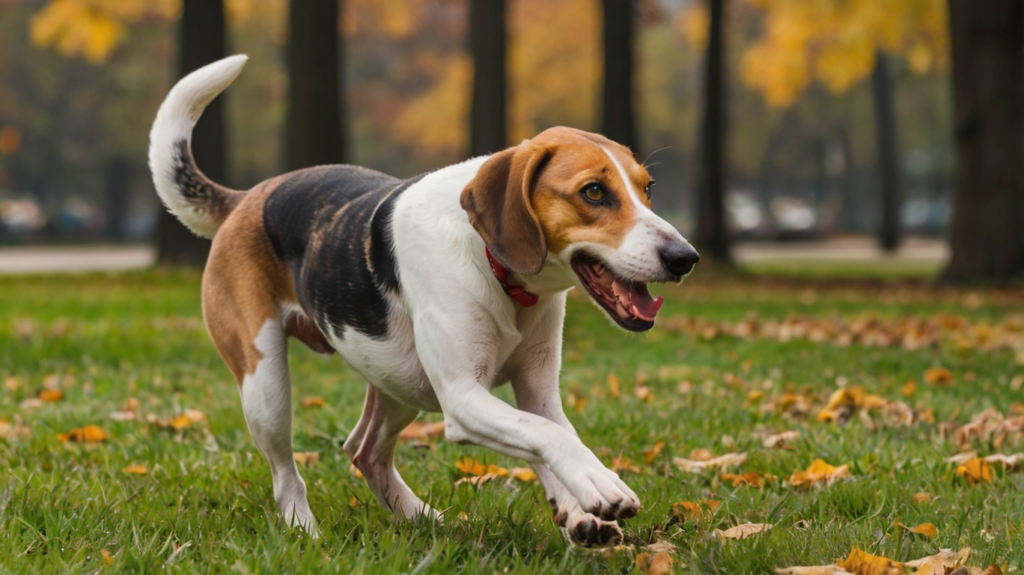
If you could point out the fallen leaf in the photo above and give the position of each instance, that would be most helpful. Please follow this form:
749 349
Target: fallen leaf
687 510
909 388
135 470
614 387
660 546
306 457
354 502
51 395
845 401
743 531
12 384
470 466
524 474
651 452
975 470
87 434
422 430
180 422
752 478
107 558
721 462
923 497
938 376
820 570
312 401
862 563
819 472
656 564
779 439
622 463
926 529
9 431
713 504
355 471
701 455
941 563
31 403
477 479
1008 461
194 415
643 393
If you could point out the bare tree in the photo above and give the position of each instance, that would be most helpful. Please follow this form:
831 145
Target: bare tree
887 146
617 119
487 43
315 129
202 39
988 86
712 234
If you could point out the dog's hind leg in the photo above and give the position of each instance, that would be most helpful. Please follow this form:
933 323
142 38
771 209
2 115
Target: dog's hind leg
371 446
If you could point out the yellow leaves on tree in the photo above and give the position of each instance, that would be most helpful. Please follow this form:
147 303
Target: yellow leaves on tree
835 42
93 28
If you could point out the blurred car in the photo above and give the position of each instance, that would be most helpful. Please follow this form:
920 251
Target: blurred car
21 215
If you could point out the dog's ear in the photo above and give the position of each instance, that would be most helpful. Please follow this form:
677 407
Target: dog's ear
499 201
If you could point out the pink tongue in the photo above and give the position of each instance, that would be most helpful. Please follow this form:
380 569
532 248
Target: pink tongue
641 299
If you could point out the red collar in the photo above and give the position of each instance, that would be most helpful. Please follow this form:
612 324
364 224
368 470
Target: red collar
518 293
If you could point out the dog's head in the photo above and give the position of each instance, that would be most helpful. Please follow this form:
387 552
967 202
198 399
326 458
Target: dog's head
583 200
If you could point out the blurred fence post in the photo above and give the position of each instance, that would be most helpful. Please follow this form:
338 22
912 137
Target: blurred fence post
487 43
887 146
617 118
315 128
712 234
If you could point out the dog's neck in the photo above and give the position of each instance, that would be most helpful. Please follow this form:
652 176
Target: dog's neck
553 278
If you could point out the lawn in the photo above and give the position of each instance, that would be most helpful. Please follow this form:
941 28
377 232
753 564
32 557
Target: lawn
732 360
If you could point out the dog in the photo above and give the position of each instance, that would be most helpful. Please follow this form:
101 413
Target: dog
435 289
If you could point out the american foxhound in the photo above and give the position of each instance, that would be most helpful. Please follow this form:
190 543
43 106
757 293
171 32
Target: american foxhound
435 289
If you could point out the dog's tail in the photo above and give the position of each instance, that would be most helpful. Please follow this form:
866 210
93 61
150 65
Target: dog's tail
201 204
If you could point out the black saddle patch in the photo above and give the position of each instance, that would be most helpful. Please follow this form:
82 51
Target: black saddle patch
332 226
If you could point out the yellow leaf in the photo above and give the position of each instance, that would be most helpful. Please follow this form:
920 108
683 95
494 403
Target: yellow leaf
941 563
651 452
656 564
909 388
926 529
470 466
976 470
818 570
752 478
306 457
614 387
51 395
686 510
643 393
743 531
923 497
524 474
622 463
355 471
135 470
312 401
108 559
938 376
354 502
180 422
87 434
819 472
861 563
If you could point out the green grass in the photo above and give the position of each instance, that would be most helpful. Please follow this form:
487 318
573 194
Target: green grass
207 505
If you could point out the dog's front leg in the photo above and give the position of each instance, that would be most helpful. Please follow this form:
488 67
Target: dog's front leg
461 365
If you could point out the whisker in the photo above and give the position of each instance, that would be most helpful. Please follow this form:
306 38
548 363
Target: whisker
644 163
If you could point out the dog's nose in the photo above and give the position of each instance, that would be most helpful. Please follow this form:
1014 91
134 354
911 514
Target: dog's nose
679 258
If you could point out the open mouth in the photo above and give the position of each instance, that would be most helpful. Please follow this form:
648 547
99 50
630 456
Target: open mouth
628 303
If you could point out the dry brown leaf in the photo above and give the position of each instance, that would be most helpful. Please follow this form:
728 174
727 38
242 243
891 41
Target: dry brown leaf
926 529
422 430
614 387
524 474
107 558
819 472
743 531
789 403
819 570
651 452
135 470
622 463
909 388
721 462
477 480
194 415
687 510
9 431
306 457
938 376
660 546
845 401
354 502
51 395
701 454
863 563
654 564
87 434
1008 461
941 563
643 393
312 401
975 470
713 504
31 403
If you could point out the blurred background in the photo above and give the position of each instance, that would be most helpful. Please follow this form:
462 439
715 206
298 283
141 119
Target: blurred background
887 133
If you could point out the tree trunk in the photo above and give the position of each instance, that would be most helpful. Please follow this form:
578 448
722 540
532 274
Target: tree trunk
202 37
617 105
314 125
888 153
988 88
712 234
487 43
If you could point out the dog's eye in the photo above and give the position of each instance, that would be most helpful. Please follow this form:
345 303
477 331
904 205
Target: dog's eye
594 193
647 188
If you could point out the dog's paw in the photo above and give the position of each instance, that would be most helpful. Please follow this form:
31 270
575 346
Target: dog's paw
589 531
600 491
